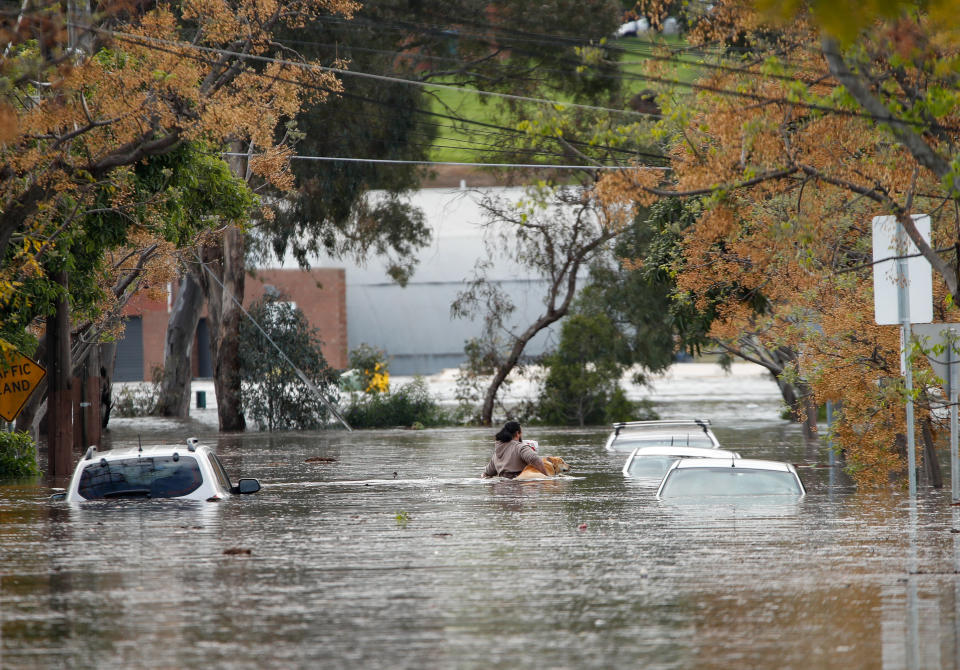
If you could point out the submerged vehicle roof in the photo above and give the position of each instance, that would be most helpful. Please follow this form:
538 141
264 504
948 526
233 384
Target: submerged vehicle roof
683 452
669 432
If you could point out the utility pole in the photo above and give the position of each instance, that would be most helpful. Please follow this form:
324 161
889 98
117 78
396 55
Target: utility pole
59 394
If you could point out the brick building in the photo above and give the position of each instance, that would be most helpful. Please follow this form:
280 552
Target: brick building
320 293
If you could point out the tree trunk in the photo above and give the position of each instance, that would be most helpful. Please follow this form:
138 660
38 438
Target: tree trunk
931 462
174 397
91 381
799 399
796 396
108 358
223 290
505 368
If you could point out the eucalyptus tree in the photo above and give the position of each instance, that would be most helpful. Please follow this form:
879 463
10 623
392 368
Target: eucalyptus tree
553 234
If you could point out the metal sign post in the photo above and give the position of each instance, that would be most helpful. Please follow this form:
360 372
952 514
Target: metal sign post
912 280
952 392
903 310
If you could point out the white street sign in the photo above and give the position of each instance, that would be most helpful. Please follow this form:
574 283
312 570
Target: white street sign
919 274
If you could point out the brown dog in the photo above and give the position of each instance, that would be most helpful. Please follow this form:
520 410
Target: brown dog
554 465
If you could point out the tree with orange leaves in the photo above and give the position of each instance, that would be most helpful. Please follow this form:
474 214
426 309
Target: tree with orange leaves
92 95
795 138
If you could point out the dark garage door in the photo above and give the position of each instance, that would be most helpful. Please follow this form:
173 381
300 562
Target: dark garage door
129 366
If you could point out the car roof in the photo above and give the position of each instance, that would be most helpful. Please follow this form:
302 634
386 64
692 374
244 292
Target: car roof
149 451
704 452
674 437
664 426
741 463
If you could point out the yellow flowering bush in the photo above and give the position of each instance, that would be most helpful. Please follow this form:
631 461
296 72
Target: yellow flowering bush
372 366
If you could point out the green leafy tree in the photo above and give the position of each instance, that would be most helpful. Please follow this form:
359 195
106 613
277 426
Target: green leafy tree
274 395
118 249
633 287
582 385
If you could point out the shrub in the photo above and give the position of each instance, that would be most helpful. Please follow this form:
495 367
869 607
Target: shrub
136 399
409 405
18 455
274 396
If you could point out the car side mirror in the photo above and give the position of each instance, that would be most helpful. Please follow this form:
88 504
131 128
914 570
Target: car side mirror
248 485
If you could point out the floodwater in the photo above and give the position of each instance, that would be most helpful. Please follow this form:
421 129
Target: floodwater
387 551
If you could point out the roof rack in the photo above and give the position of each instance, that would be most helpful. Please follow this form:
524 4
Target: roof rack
656 423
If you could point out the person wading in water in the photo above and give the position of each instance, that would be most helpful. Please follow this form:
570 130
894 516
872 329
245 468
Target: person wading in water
510 455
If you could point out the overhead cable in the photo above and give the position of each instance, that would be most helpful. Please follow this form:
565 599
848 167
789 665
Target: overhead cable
483 124
139 39
347 159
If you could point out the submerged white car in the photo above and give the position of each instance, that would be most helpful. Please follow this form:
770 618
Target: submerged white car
653 462
629 435
190 472
702 477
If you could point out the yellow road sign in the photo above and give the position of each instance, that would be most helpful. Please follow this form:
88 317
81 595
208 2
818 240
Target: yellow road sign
18 377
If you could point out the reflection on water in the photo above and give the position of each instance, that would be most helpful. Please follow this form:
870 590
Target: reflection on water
384 549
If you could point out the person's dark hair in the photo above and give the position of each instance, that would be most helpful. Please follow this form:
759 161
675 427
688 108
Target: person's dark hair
506 433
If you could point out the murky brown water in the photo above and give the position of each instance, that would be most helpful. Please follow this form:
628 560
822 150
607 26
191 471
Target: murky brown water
395 556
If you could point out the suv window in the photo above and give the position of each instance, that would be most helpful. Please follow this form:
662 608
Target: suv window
156 477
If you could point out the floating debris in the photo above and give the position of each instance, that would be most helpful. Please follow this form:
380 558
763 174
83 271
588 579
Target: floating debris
237 551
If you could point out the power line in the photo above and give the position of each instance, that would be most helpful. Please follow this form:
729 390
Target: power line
649 54
346 94
665 80
720 91
138 39
540 166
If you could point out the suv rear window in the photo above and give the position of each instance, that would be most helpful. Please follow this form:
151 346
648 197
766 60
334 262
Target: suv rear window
156 477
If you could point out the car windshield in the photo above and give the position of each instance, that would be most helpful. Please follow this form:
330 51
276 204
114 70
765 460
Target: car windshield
729 482
631 442
650 466
156 477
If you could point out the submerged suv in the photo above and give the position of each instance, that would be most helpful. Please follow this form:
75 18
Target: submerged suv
193 473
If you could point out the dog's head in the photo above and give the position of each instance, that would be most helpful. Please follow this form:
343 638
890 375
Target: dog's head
557 464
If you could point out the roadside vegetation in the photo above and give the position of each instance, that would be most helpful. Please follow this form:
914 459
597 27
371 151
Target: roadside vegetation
371 403
18 456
